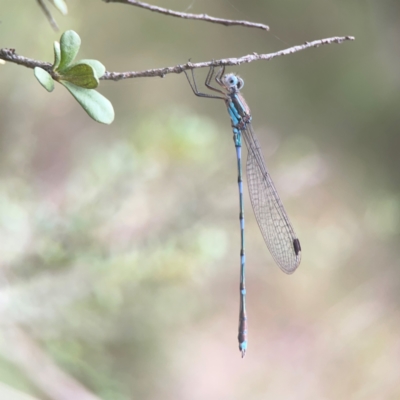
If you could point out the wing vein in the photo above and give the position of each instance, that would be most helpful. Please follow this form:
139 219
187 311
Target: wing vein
271 216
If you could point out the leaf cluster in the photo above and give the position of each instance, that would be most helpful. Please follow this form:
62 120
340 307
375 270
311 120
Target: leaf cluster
80 77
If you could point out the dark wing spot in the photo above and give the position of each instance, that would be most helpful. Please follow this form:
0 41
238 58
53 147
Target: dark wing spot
296 245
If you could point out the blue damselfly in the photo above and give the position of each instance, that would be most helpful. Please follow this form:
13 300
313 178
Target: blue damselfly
271 216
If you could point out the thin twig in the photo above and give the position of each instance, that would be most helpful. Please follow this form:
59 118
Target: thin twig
47 12
199 17
11 56
177 69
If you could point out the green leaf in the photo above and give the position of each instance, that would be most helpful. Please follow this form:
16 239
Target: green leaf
57 55
70 43
82 75
61 6
44 78
95 104
96 65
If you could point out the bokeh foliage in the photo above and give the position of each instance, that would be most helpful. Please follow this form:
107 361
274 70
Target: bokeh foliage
120 243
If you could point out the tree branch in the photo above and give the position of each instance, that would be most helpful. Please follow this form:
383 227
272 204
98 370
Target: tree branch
47 12
161 72
199 17
11 56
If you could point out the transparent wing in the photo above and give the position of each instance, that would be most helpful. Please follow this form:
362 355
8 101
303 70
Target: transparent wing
271 216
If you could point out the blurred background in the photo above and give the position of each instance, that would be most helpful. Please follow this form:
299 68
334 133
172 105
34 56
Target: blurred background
119 266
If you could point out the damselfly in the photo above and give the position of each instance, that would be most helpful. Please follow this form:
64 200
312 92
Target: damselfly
271 216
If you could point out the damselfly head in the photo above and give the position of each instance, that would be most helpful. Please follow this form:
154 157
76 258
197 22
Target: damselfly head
232 82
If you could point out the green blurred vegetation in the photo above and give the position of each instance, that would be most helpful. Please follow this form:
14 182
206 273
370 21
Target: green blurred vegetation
120 244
